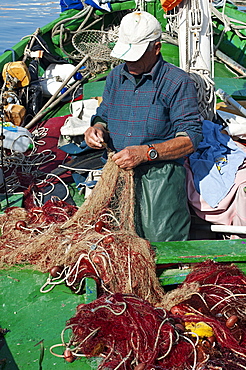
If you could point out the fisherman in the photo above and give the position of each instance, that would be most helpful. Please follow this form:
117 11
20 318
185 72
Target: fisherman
149 116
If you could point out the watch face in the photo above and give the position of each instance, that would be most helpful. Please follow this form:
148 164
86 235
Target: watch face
152 154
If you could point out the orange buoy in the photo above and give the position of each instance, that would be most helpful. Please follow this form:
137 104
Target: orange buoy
169 4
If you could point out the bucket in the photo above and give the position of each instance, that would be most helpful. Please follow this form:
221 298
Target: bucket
14 113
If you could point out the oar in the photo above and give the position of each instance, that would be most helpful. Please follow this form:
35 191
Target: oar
231 63
51 100
228 99
30 43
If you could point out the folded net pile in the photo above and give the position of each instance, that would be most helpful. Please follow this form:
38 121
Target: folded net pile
97 240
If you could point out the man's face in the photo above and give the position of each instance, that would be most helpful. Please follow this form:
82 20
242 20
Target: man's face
146 62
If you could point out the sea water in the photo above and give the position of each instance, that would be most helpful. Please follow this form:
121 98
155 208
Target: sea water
21 18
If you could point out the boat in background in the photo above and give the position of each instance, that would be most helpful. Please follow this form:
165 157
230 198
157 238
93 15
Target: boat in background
57 76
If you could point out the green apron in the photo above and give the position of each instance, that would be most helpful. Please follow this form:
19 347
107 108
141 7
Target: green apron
161 209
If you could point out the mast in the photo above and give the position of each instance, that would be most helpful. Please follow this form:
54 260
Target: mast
195 36
195 39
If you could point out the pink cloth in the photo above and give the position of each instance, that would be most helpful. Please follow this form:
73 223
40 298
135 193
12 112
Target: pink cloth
231 210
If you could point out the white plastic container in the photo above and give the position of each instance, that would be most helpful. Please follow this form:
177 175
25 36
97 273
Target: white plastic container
16 138
54 76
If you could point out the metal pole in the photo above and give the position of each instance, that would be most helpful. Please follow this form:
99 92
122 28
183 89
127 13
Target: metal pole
2 164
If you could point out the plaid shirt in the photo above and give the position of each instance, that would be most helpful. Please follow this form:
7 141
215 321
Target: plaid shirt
162 105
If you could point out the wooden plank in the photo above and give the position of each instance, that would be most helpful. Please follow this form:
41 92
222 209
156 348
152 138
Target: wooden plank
176 275
199 250
175 259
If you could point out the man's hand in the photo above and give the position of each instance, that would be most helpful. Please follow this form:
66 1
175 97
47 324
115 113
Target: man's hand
131 156
95 136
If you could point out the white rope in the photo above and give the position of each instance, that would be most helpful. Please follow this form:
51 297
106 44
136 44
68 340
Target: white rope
18 163
205 93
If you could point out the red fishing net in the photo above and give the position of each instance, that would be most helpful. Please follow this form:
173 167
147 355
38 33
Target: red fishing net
128 333
205 331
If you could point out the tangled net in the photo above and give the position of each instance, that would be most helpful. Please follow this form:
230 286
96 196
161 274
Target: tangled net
205 331
127 332
99 240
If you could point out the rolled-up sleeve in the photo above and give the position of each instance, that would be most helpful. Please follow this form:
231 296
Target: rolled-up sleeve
184 111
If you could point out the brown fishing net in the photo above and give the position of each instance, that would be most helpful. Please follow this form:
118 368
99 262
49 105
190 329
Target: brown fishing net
98 240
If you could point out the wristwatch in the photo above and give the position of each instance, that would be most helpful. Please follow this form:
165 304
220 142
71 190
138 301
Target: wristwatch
151 153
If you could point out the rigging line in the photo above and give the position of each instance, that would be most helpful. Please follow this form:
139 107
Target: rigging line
81 14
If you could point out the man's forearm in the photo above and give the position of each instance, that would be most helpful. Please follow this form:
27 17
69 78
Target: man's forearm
174 148
132 156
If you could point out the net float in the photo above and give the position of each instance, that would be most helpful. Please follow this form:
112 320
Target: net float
231 321
20 225
97 259
108 239
209 342
176 310
68 356
99 226
56 271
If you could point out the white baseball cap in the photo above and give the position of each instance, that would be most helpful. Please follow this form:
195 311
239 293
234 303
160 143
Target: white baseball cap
136 31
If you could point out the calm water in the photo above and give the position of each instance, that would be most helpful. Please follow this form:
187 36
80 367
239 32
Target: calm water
21 18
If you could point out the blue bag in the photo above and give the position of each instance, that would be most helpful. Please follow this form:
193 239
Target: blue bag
98 4
71 4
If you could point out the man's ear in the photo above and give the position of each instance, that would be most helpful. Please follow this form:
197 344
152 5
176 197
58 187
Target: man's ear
157 47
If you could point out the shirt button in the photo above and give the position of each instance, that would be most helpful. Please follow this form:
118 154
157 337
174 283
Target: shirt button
136 91
129 134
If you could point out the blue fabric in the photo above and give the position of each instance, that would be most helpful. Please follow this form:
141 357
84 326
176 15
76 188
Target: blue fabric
79 178
99 4
74 149
71 4
152 110
215 163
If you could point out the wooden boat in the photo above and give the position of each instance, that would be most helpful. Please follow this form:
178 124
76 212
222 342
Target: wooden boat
35 320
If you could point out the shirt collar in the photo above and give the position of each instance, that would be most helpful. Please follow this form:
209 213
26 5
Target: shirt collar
153 74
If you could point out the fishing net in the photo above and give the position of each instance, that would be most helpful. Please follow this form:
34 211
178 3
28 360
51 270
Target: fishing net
97 240
205 331
220 303
127 332
133 325
98 46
